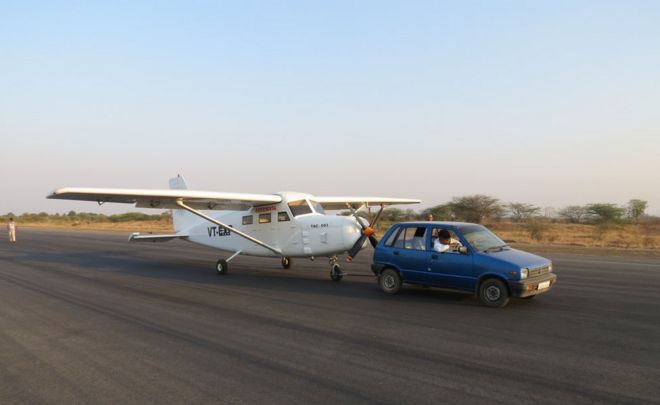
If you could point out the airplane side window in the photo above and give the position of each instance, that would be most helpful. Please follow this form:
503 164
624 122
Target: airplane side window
247 220
300 207
264 218
282 216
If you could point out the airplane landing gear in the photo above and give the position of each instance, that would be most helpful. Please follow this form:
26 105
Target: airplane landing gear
221 267
335 271
286 262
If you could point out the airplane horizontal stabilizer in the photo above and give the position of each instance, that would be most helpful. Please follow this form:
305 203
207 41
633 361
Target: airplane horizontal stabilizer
137 237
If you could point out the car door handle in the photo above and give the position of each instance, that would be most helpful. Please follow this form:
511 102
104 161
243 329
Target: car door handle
434 256
396 252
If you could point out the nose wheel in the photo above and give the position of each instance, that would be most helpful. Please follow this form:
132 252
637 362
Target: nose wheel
335 271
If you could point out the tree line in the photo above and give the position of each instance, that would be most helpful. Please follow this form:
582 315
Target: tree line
479 208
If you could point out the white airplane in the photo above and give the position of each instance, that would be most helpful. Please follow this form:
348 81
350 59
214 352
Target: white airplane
283 225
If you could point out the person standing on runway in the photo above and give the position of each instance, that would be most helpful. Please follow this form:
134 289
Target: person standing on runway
11 229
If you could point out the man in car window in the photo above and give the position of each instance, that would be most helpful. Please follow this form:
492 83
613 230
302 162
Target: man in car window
445 242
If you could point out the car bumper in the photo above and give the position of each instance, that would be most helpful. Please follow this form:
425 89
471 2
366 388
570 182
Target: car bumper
529 287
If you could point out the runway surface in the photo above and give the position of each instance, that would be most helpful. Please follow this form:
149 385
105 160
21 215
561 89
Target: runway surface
89 318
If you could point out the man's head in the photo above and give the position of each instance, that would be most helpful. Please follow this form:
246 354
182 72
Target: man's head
11 219
444 236
429 217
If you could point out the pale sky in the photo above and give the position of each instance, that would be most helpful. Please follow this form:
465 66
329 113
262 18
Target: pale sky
551 103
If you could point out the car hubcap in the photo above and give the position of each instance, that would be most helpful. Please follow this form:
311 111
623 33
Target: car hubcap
389 282
492 293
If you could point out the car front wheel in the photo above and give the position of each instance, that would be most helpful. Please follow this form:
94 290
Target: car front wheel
493 293
390 281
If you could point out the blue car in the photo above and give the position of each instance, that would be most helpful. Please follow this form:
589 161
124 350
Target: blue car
460 256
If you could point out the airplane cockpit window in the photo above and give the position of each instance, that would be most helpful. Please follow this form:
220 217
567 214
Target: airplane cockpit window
300 207
317 207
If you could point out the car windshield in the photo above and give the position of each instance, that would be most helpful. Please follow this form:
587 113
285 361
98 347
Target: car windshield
480 238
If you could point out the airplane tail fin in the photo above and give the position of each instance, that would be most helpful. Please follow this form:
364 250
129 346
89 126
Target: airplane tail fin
182 219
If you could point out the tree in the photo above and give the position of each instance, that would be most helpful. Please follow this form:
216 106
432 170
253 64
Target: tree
573 213
604 212
393 214
441 212
522 211
475 208
636 209
410 215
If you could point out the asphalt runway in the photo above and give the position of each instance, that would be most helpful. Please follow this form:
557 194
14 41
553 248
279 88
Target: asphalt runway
86 317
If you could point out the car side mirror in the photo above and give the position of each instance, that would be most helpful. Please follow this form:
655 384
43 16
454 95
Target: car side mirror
463 250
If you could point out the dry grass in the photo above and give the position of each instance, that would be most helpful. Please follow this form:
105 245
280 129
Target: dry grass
129 226
643 236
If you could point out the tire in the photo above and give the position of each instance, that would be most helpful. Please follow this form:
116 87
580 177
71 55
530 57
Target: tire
390 281
221 267
335 273
493 293
286 262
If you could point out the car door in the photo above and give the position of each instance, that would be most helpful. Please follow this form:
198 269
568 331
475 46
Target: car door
451 269
410 254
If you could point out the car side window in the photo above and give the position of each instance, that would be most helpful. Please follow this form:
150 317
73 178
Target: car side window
453 239
390 239
415 238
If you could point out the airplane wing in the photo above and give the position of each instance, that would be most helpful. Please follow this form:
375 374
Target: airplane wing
339 203
166 199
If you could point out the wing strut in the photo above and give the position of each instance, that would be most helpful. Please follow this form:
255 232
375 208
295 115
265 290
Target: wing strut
227 227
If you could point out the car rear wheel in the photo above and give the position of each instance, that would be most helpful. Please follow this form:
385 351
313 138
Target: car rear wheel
390 281
493 293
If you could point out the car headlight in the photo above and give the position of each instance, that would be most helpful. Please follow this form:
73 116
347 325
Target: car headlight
550 268
524 273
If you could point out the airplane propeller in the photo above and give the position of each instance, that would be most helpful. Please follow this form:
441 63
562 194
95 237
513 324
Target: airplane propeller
367 232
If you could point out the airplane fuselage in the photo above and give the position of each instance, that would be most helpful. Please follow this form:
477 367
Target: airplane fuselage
297 227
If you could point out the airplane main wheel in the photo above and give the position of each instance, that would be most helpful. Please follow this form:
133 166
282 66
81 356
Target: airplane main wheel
221 267
286 262
335 273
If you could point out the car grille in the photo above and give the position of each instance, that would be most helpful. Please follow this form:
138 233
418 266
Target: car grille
539 271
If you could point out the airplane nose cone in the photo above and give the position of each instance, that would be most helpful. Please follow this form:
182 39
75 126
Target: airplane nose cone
351 231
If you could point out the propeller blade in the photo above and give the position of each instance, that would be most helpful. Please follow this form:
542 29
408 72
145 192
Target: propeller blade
373 240
357 246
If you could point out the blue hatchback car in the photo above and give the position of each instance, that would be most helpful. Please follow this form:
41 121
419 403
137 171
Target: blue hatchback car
460 256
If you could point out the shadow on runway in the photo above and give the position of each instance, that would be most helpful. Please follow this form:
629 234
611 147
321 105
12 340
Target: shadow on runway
245 273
